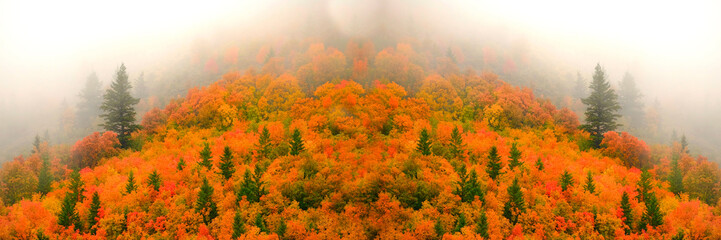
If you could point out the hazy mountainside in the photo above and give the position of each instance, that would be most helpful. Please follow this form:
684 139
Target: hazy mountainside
482 41
322 144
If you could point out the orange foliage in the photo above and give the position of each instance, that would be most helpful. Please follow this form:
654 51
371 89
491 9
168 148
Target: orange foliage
359 175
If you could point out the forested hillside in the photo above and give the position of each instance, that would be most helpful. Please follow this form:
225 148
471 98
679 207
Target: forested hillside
320 143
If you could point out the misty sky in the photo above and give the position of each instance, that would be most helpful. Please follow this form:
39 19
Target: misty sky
47 48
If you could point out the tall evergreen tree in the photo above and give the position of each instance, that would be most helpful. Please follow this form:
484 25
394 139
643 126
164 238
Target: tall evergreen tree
296 143
119 108
652 216
67 215
154 180
493 167
579 89
438 227
130 186
460 222
590 186
260 223
93 213
226 166
205 156
631 102
515 204
626 210
89 105
282 228
205 205
515 156
457 147
643 186
675 177
424 143
451 56
602 108
238 225
36 144
76 186
684 144
251 187
482 225
264 145
45 178
566 180
468 188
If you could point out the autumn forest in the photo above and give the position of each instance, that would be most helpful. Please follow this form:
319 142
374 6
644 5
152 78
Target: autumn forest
357 138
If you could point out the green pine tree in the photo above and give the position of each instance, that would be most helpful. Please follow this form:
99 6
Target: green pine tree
226 166
627 214
119 108
154 180
460 223
601 108
282 227
566 180
516 204
438 227
238 225
205 205
457 147
89 102
205 156
181 164
263 146
36 144
251 187
45 178
260 223
296 143
468 188
76 186
93 212
67 215
493 167
130 186
652 216
539 164
482 225
515 156
675 178
451 56
424 143
684 144
643 186
590 186
41 236
631 102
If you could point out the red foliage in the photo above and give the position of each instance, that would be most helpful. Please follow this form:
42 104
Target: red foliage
88 151
631 150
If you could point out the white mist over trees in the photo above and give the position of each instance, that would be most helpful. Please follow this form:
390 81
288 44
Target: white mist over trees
550 47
